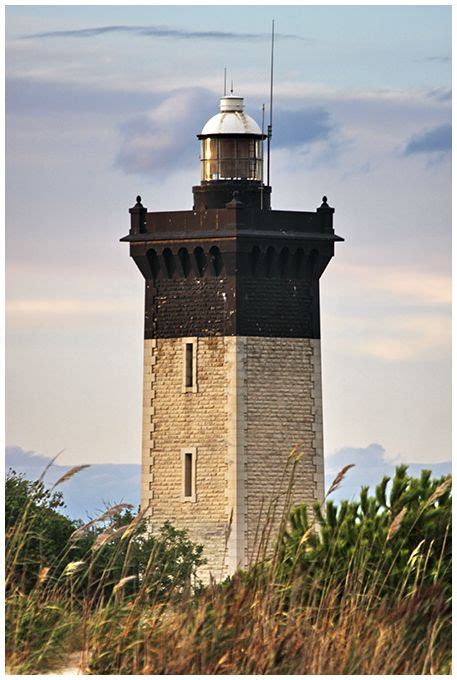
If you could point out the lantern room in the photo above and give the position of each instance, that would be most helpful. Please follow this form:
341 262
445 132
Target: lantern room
231 158
231 144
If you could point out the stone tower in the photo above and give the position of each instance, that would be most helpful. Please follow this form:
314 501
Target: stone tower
232 367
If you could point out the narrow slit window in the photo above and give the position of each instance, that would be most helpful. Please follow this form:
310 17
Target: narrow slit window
189 365
188 482
189 358
189 471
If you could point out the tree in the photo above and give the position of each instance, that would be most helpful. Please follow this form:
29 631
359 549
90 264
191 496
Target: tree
36 533
116 548
390 541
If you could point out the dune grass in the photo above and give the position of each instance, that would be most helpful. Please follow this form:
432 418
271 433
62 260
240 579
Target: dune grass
363 591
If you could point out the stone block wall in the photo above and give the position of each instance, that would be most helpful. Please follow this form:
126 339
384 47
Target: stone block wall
283 413
174 419
257 398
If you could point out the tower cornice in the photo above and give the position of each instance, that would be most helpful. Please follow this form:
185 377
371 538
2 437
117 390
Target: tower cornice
236 270
231 222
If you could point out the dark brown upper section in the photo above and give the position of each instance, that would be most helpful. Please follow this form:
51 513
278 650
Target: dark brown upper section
232 271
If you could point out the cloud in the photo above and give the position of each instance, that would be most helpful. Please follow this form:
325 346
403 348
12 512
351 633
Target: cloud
159 32
434 140
158 133
395 337
408 339
40 313
288 92
17 458
371 463
66 306
440 94
89 492
439 59
405 316
159 140
433 289
302 126
407 286
44 97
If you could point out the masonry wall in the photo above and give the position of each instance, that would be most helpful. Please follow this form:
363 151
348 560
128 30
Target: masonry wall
282 412
263 306
257 398
173 420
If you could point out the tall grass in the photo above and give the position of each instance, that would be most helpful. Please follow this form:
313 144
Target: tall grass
288 613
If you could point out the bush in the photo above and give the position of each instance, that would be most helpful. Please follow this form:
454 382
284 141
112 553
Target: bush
60 572
36 533
365 592
394 540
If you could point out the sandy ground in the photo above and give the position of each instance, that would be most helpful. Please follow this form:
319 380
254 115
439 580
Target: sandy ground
72 667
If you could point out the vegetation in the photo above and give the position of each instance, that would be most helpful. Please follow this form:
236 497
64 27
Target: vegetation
403 537
359 588
58 569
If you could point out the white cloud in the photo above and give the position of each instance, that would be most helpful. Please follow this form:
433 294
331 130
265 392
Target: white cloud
30 313
409 339
391 337
157 141
391 314
405 286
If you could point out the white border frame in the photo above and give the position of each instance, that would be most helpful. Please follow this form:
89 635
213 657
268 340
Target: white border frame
194 343
193 451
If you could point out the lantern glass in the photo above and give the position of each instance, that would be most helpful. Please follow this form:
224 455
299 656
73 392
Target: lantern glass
232 158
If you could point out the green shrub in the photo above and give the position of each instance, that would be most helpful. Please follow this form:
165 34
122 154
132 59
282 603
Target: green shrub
59 573
394 540
365 591
36 532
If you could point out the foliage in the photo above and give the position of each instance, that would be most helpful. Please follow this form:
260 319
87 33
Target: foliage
58 569
36 533
40 631
399 538
40 537
365 592
168 559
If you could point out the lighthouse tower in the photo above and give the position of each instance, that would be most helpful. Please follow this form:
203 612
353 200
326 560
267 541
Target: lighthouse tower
232 364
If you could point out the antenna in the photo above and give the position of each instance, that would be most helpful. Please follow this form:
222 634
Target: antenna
225 81
231 89
270 126
263 129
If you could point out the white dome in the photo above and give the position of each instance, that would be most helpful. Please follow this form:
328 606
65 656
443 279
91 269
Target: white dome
231 120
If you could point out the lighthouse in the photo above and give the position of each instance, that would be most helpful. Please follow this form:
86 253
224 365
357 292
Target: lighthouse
232 360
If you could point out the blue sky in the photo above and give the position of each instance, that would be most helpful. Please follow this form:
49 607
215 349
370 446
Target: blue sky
104 103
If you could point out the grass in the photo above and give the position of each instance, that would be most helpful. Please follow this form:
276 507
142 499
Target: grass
277 617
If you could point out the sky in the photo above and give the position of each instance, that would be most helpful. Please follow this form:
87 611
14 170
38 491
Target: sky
102 485
104 102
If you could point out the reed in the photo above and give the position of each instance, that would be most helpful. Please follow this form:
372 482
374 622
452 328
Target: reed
320 598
